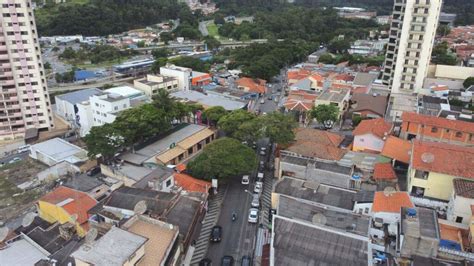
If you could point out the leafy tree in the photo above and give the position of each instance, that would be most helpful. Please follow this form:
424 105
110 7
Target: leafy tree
211 42
161 52
339 46
214 114
468 82
141 44
326 59
441 56
443 30
103 140
249 131
160 62
47 65
231 122
279 128
187 31
222 159
55 49
191 62
219 20
166 37
325 112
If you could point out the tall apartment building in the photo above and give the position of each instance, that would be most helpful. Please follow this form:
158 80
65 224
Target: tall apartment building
409 49
24 99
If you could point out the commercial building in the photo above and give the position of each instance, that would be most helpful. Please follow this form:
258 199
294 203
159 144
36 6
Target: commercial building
411 38
210 99
182 74
25 100
66 104
151 84
57 150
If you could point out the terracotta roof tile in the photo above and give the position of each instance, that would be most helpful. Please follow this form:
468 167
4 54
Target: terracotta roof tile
360 90
191 184
180 167
458 125
73 201
254 85
315 150
384 171
378 127
391 202
318 136
464 188
344 77
300 100
397 149
443 158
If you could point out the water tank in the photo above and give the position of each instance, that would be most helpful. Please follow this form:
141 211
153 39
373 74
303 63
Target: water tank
411 212
356 176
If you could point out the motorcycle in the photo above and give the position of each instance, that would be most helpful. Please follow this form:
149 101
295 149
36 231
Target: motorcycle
234 216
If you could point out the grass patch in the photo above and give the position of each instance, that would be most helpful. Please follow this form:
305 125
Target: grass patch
213 30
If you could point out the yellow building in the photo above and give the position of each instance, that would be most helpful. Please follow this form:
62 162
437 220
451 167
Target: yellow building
66 205
433 167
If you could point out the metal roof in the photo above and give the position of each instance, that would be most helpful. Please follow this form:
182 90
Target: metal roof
79 96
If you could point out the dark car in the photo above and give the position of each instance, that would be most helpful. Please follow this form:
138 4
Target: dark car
246 261
227 261
93 171
205 262
216 233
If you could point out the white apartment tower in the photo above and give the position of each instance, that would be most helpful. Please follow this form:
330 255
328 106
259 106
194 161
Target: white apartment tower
24 100
411 38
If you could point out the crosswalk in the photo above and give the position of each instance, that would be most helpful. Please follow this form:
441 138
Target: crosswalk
209 221
267 198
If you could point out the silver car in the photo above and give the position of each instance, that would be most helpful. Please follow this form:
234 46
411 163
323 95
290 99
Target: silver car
255 201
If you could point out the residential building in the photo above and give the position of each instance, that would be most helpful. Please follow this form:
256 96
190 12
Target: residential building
66 205
432 128
199 79
182 74
117 247
364 79
397 149
57 150
433 167
93 186
367 47
209 99
21 251
462 198
66 104
388 205
447 19
368 106
411 38
371 134
337 97
162 247
252 85
384 172
191 184
25 102
151 84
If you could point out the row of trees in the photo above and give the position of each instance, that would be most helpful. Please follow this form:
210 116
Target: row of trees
161 59
352 59
95 54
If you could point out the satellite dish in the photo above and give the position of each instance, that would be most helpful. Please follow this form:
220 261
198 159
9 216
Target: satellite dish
3 233
140 207
389 191
28 219
319 218
427 157
91 235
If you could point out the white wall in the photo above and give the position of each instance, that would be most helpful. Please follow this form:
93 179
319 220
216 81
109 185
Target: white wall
183 76
85 118
360 208
387 217
65 109
460 206
102 109
368 141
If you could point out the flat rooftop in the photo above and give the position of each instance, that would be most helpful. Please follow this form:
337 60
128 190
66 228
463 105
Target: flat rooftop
21 252
114 248
61 150
209 100
79 96
300 244
166 79
125 91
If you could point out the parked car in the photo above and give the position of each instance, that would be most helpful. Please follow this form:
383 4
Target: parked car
270 97
258 187
260 177
205 262
93 171
255 201
246 261
24 148
216 234
245 180
262 101
227 261
253 215
14 160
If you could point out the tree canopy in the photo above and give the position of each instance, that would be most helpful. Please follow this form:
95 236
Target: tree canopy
223 158
103 140
468 82
231 122
213 114
325 112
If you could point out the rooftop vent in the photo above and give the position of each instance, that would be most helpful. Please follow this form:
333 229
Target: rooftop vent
427 157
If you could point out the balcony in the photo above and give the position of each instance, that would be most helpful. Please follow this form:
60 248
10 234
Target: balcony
13 106
3 56
9 91
7 82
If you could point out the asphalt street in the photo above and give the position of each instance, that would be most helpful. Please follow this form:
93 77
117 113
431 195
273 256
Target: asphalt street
238 237
6 159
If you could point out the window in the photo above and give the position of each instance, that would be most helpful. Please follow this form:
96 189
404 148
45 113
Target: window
168 183
366 210
421 174
434 129
458 134
458 219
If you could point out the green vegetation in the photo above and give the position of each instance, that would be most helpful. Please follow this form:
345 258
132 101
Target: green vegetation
468 82
441 55
352 59
66 77
95 54
191 62
214 114
231 122
222 159
324 112
212 29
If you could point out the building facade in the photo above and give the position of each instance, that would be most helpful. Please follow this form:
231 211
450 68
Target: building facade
151 84
25 100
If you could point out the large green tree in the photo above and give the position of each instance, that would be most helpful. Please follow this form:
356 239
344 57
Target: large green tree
223 158
278 127
213 114
103 140
325 112
231 122
468 82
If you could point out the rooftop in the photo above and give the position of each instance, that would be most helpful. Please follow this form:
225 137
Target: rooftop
426 120
364 79
463 188
391 202
183 214
191 184
125 91
21 252
317 144
254 85
299 244
79 96
378 127
300 100
209 100
148 82
83 183
384 171
61 150
315 192
114 248
336 96
312 213
73 201
443 158
426 222
397 149
366 102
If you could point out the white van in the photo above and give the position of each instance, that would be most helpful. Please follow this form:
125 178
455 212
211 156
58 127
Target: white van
24 148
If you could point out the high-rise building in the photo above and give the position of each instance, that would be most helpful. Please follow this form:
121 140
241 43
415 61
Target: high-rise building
411 38
24 99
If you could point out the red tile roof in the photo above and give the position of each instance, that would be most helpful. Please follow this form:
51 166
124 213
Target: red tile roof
191 184
458 125
463 188
300 100
318 136
180 167
360 90
391 202
377 127
397 149
298 74
71 200
443 158
254 85
344 77
384 171
317 143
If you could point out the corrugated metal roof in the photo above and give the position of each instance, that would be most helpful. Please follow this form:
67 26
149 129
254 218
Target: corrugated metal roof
79 96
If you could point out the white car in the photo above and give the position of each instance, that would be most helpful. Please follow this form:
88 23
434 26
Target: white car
14 160
258 187
245 180
253 215
255 201
262 101
260 176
